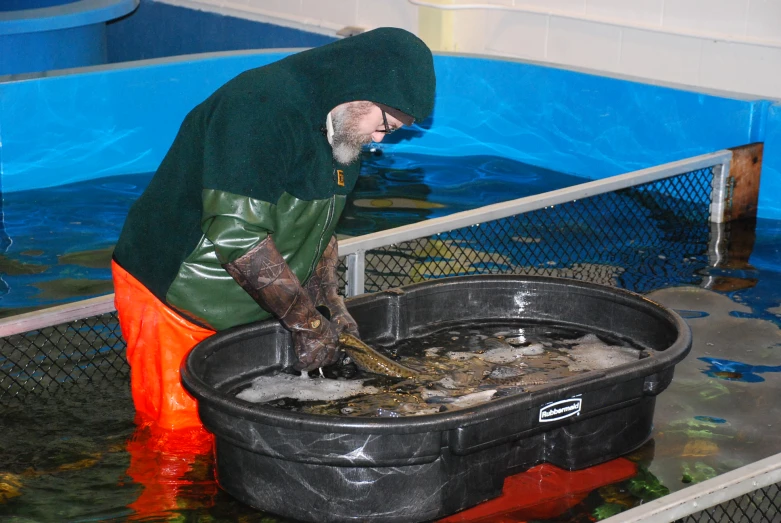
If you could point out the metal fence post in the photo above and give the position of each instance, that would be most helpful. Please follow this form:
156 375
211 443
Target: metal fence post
356 265
733 212
735 193
719 196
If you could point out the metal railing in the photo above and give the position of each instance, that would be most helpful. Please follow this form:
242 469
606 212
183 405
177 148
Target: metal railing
698 200
750 494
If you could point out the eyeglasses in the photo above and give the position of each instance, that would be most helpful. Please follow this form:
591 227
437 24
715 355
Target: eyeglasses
387 129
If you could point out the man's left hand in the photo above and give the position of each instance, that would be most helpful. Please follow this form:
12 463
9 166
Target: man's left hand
341 318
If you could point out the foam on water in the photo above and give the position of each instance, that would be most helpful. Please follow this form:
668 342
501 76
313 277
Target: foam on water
505 353
475 398
269 388
591 353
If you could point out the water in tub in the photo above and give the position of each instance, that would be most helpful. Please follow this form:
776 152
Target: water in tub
460 367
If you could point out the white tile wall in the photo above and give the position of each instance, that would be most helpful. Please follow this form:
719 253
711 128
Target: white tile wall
740 67
584 44
516 34
764 20
341 12
233 4
493 2
720 17
645 12
469 28
691 57
659 56
572 7
275 6
387 13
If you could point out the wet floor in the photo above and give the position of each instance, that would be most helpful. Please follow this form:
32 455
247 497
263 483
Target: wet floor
80 457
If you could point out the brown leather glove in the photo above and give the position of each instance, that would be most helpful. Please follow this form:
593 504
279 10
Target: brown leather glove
323 289
263 273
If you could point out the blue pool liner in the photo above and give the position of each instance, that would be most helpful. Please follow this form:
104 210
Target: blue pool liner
121 119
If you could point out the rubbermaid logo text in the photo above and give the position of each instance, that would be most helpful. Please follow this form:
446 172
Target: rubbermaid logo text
560 410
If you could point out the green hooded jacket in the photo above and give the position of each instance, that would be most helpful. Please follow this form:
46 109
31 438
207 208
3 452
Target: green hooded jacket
253 160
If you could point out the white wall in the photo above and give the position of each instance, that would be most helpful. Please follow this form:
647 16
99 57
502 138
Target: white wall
732 45
320 16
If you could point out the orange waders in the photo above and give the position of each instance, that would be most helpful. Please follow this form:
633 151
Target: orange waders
169 439
157 340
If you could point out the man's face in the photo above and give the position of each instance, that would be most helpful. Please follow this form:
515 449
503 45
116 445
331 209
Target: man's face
357 124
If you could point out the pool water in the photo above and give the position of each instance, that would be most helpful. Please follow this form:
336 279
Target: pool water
58 241
81 457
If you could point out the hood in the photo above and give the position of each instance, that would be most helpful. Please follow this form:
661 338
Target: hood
387 65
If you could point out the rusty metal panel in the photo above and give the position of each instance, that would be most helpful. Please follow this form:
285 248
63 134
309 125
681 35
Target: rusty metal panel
745 170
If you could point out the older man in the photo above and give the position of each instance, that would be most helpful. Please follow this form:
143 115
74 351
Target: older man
238 223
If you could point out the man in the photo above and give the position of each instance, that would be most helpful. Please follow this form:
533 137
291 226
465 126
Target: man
238 223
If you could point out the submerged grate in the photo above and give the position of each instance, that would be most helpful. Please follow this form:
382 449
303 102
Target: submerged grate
44 362
760 506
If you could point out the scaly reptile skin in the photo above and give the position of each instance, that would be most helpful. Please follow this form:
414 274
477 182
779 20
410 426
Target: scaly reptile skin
370 360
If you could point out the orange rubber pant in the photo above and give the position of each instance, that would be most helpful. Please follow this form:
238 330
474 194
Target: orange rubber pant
158 339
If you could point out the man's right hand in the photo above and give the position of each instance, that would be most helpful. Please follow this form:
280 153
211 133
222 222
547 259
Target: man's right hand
316 344
263 273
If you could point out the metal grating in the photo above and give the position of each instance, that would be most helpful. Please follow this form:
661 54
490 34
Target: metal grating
641 239
45 362
760 506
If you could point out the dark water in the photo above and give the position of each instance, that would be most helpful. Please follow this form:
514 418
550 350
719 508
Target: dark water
59 240
462 366
80 457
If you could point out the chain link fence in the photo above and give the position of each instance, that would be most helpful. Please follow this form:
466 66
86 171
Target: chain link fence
749 494
641 238
44 363
760 506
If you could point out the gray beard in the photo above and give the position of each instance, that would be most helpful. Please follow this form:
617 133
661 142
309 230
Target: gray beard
347 143
345 152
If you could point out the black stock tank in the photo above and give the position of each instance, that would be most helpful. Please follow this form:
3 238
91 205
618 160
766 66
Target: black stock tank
329 468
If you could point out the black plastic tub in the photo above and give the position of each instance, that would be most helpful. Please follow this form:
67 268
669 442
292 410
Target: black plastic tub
332 468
